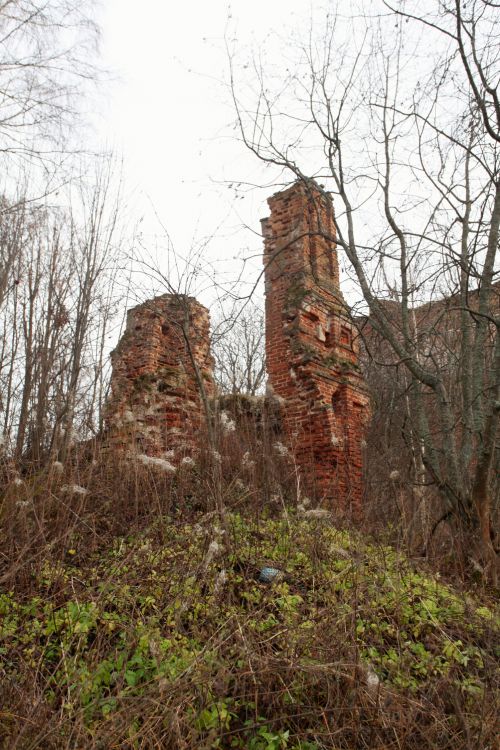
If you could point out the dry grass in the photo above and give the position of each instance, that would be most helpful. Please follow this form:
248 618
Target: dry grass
133 617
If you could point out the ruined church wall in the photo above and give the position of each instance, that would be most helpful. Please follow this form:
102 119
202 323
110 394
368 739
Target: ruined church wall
311 347
155 407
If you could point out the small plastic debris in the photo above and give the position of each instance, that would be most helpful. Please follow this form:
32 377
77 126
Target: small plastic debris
268 575
246 461
281 449
214 549
160 463
226 422
74 489
372 679
314 512
220 582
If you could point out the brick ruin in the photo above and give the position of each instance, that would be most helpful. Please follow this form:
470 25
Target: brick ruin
312 358
311 347
155 405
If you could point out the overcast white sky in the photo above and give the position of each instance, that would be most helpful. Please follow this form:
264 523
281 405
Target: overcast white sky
170 116
169 113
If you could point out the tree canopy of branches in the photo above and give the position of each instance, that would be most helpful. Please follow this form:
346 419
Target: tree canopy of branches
60 262
60 274
47 54
238 348
396 112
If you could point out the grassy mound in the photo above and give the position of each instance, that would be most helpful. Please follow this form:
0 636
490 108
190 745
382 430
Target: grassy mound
167 639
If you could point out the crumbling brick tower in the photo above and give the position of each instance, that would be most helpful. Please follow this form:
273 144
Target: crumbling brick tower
155 404
311 349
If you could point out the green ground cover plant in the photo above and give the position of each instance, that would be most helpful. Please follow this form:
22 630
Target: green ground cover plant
163 636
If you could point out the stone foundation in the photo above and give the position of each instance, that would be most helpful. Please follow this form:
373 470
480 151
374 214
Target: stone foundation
155 405
311 347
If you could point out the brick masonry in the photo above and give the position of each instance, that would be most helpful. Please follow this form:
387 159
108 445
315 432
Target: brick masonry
155 405
311 347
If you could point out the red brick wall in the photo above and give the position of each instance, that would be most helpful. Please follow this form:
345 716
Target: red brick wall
155 403
311 349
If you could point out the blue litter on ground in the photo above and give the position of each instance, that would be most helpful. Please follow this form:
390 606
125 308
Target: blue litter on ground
267 575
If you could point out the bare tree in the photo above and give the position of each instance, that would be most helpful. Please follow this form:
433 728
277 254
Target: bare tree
64 284
238 348
47 58
399 118
60 262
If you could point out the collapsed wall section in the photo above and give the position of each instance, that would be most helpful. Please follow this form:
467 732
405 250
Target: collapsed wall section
311 347
155 405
